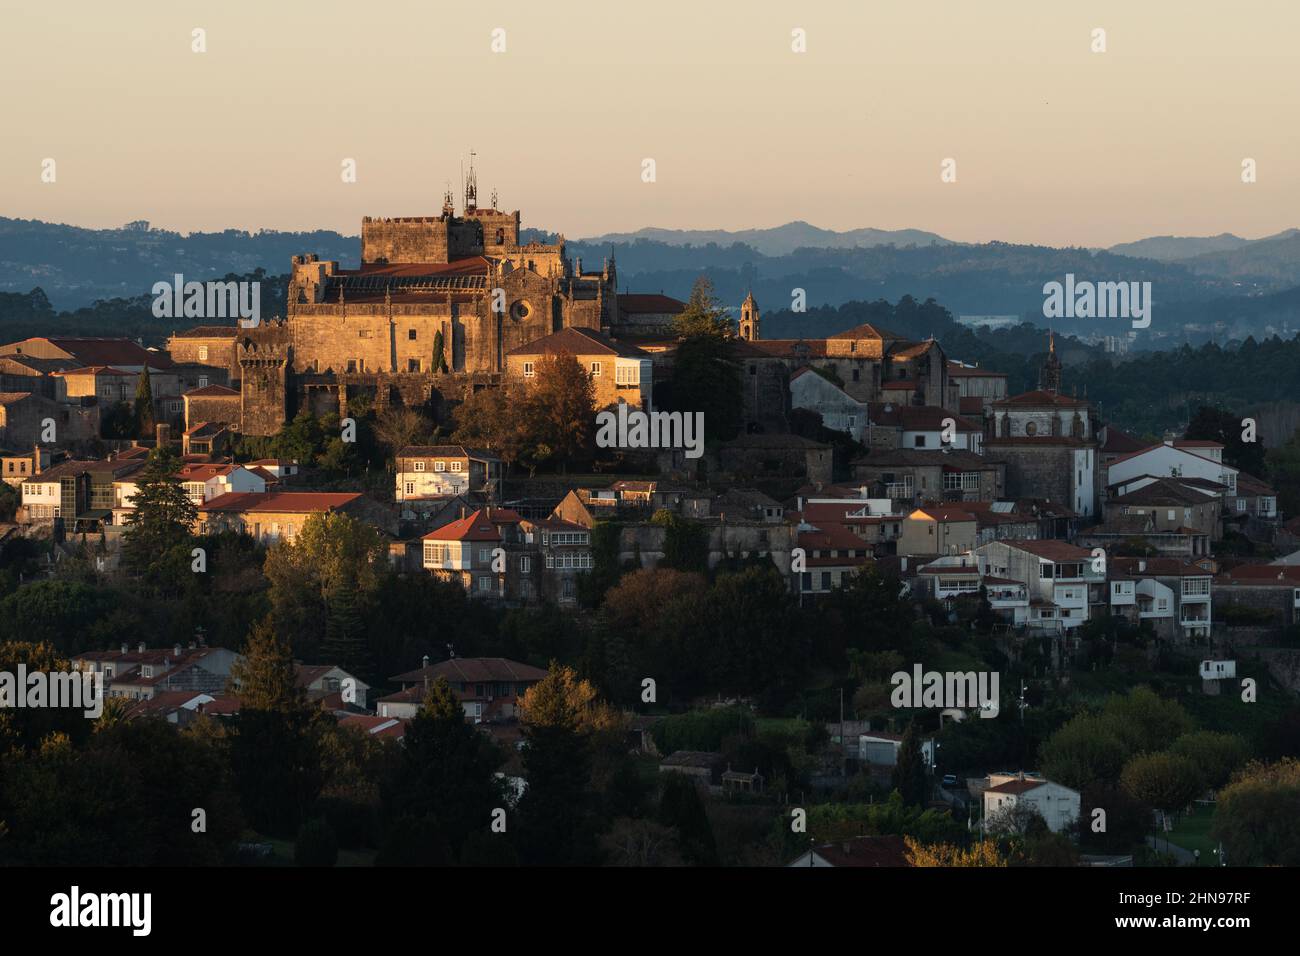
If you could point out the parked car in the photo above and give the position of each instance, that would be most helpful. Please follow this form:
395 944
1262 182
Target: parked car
949 781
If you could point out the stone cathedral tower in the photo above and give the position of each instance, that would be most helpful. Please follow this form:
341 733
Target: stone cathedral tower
749 319
1050 375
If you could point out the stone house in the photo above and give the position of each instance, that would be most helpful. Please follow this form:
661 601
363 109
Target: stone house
619 372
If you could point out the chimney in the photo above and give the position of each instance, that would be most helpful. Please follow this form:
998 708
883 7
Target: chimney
426 660
125 648
176 651
141 648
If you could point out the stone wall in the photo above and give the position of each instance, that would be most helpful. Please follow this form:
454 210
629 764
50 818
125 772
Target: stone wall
223 408
725 538
22 423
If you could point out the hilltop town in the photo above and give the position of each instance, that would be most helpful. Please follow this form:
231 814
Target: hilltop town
387 520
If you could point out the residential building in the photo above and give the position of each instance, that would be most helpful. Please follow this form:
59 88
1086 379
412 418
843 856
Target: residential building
143 673
1057 577
439 471
1058 805
1173 595
485 552
279 515
487 688
938 529
619 372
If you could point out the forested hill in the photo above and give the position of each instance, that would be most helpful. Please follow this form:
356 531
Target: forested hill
75 267
1222 293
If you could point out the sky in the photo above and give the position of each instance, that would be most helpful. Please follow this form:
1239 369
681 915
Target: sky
1053 143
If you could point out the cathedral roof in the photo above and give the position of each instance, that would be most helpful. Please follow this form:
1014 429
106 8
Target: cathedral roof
468 265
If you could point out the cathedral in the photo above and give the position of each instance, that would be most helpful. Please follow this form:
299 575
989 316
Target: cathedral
433 309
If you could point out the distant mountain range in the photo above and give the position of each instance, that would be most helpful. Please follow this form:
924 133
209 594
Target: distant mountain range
1202 287
777 241
1172 248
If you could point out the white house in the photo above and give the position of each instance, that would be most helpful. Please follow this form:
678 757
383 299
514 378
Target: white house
1056 576
927 426
1174 594
203 482
42 499
437 471
953 576
1201 461
1218 670
840 411
1058 805
878 747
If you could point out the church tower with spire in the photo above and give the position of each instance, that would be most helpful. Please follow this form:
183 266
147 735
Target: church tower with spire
749 318
1049 377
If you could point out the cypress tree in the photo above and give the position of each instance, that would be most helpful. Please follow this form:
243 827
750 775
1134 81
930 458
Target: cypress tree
144 421
909 771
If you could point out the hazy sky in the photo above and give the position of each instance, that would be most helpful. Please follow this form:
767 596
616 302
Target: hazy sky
1054 144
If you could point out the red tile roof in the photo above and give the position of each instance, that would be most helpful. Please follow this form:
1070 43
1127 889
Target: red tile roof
297 502
1263 574
866 331
202 472
1051 549
105 351
473 670
650 304
1016 786
875 851
212 391
481 525
578 341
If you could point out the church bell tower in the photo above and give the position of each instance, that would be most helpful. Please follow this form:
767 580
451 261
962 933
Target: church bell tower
749 319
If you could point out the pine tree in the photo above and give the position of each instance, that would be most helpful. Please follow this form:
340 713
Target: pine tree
345 633
277 749
680 806
909 771
264 676
144 420
164 516
556 813
446 773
